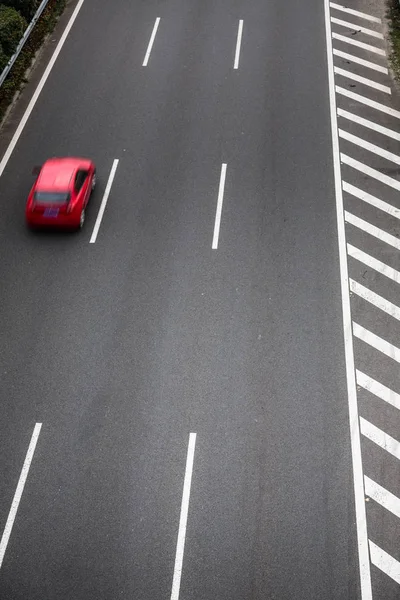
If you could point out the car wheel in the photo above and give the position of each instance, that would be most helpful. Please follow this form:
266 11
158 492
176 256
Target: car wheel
82 219
94 181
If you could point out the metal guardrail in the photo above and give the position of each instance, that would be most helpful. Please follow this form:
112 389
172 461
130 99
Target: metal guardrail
22 41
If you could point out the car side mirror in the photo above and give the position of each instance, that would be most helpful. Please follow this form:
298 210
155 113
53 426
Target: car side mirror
36 171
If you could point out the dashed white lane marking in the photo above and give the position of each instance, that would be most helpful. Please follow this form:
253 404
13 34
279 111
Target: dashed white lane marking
373 263
238 44
380 438
372 200
18 492
360 61
358 477
104 201
369 124
151 42
372 230
219 206
363 80
382 496
356 13
356 27
39 88
375 299
378 389
383 561
359 166
368 102
354 139
180 546
376 342
353 42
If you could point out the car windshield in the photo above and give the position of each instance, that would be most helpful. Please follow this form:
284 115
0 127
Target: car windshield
51 197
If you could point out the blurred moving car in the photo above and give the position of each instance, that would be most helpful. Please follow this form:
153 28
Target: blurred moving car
60 194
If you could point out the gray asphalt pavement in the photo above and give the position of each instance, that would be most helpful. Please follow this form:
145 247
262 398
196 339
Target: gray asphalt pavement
123 347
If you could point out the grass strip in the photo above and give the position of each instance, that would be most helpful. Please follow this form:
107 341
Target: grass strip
16 78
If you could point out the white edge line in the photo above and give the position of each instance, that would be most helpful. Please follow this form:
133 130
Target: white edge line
104 201
151 42
18 492
358 478
38 90
180 545
238 44
219 206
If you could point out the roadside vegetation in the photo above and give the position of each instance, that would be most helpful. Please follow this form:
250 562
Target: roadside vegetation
394 29
15 16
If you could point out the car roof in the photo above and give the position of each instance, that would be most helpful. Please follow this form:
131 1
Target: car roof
58 173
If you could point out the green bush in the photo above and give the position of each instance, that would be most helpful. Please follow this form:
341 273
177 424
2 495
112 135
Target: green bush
27 8
3 59
12 27
43 27
394 28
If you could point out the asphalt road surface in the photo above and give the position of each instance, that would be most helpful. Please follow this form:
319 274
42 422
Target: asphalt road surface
123 347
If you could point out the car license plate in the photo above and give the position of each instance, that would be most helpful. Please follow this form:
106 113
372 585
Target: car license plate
51 212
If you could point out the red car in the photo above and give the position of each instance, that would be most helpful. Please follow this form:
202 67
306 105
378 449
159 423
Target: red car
61 192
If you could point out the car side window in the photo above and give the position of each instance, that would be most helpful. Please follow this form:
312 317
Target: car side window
79 179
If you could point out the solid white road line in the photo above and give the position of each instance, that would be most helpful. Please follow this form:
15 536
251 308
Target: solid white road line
359 166
354 139
380 438
376 342
356 13
360 61
353 42
104 201
358 479
180 546
368 102
18 492
378 389
375 299
383 561
369 124
151 42
372 230
373 263
219 206
238 44
38 90
356 27
372 200
363 80
382 496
